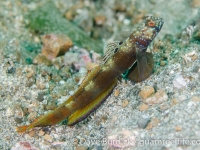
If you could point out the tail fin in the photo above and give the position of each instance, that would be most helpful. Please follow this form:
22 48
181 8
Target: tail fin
51 118
21 129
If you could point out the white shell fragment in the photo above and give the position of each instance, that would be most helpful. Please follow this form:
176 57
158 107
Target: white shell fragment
179 82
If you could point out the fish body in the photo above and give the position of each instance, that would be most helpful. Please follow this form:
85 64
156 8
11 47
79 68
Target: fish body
101 80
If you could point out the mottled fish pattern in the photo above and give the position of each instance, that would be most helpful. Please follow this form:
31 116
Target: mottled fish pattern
98 84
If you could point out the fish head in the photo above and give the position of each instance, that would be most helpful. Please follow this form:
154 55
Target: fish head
146 32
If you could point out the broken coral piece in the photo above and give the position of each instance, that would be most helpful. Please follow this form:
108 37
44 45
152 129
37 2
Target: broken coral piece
159 97
179 82
23 145
55 45
81 58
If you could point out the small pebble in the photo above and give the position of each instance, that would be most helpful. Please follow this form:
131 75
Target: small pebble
30 82
46 130
41 133
120 7
31 108
65 72
51 106
41 59
125 103
162 63
8 137
30 72
18 112
164 106
82 147
40 85
10 111
40 97
70 14
32 133
32 116
149 126
182 97
72 11
196 4
104 118
11 70
58 62
159 97
178 128
56 78
174 102
116 93
195 99
143 121
155 122
18 120
76 141
48 138
196 69
100 20
143 107
146 92
194 57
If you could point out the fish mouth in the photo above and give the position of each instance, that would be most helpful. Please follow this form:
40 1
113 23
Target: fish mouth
159 24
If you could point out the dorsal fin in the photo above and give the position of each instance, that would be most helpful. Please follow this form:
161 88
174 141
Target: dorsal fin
111 49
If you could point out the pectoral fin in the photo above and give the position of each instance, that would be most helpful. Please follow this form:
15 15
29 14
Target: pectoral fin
143 68
87 110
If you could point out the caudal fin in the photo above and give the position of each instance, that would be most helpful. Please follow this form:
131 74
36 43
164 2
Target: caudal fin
21 129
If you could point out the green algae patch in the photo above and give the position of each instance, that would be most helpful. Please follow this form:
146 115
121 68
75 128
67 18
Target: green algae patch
28 50
47 19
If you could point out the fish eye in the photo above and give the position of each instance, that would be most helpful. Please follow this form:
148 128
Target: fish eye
120 43
116 49
151 23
